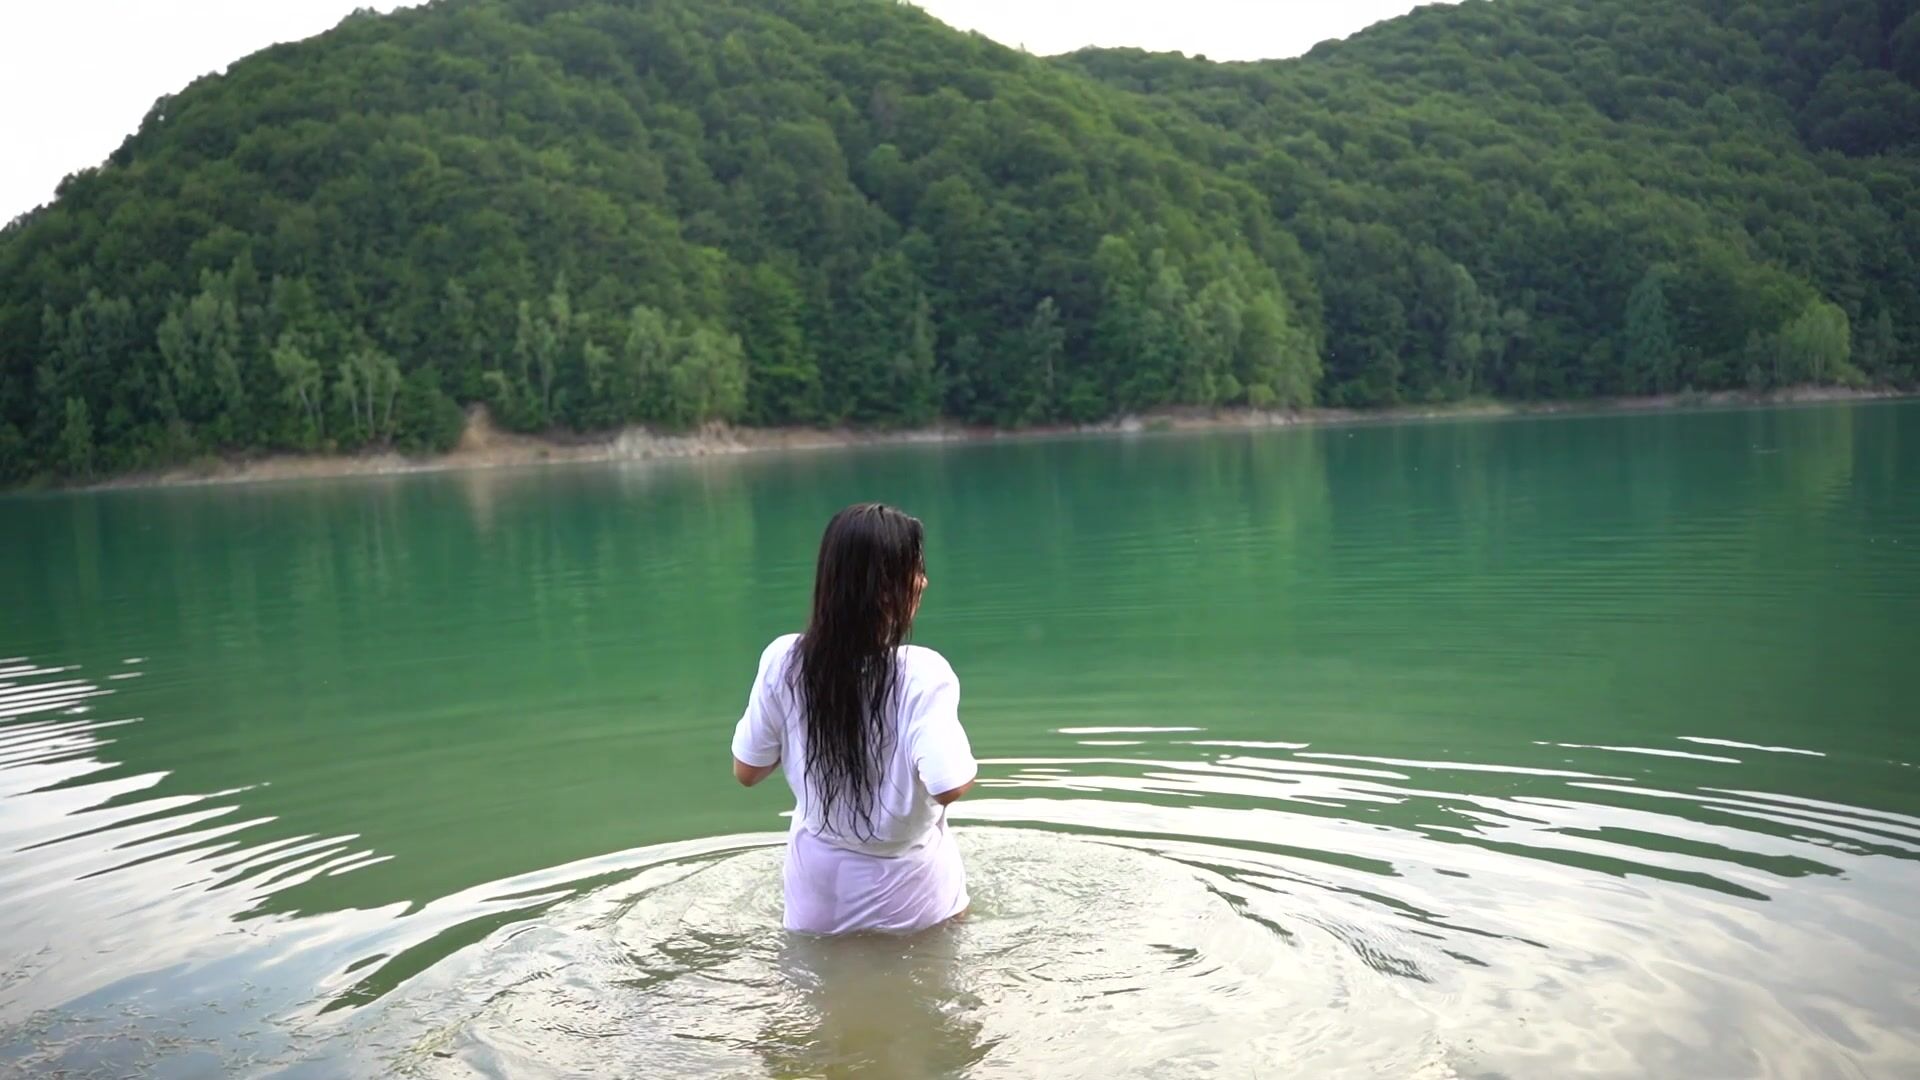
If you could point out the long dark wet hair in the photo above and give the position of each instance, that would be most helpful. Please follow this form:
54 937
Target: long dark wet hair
865 588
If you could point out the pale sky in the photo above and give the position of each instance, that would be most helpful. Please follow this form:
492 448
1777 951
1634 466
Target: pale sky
77 76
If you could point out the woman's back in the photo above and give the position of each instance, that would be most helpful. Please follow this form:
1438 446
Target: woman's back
926 752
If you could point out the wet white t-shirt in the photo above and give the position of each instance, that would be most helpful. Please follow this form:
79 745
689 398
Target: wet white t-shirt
929 752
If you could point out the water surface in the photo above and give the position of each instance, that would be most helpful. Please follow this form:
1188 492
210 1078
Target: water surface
1579 747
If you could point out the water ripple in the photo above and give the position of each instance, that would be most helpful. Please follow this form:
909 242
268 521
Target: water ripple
1358 914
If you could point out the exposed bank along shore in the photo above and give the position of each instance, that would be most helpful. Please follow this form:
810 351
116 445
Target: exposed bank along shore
484 446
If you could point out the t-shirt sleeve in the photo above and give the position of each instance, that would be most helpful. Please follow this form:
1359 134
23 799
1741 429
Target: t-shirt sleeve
941 754
758 736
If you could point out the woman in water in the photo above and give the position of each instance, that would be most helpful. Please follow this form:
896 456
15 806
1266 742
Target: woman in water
869 729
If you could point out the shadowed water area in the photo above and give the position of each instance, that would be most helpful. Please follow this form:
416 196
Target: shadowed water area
1579 747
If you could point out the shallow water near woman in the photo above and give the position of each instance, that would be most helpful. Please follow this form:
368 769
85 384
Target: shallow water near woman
1480 749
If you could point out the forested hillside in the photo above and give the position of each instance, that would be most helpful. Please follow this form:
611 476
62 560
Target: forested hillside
1567 198
590 213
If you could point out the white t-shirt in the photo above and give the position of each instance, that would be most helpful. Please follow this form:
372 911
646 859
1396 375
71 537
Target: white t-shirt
929 753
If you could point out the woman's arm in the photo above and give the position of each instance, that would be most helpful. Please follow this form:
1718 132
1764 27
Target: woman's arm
749 775
762 728
948 798
941 753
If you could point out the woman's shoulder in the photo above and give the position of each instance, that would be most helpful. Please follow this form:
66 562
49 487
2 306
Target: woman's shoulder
921 664
776 652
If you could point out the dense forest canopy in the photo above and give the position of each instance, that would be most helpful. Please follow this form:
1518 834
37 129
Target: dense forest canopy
591 213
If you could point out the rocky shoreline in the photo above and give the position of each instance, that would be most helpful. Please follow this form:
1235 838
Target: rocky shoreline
484 446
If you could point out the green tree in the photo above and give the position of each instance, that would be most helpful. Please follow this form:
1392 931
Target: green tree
15 465
1212 325
709 378
1277 365
1368 333
351 397
1461 325
83 348
367 383
1041 360
200 343
1904 49
1876 352
883 373
467 350
303 386
914 381
783 377
1651 353
644 367
1814 348
76 440
1166 342
1120 330
426 420
295 317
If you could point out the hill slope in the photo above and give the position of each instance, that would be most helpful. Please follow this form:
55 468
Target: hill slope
589 213
1492 192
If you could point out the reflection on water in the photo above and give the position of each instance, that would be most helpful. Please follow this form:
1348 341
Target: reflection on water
1479 750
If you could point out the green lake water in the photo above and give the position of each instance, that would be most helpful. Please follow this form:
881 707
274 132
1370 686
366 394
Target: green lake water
1572 747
